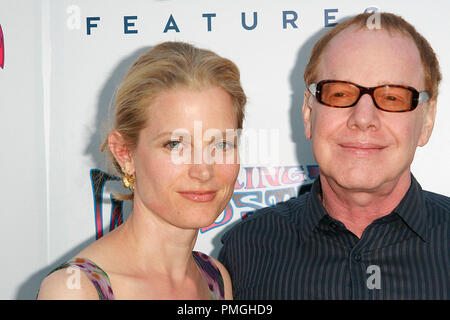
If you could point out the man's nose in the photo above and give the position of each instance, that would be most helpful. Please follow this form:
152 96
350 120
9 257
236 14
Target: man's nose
365 114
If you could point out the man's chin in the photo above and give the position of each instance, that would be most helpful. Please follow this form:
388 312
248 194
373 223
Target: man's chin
359 183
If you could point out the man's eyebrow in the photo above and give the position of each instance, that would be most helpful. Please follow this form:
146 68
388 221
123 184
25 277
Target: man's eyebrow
384 82
399 83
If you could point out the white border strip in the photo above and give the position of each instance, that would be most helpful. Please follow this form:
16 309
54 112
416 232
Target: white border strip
46 66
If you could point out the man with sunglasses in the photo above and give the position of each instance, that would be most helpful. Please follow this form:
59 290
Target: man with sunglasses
366 230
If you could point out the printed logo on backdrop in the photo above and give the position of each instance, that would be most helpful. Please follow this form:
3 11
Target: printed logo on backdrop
2 48
259 187
249 21
255 188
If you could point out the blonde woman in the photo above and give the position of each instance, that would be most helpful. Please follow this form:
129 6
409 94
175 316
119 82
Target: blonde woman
179 180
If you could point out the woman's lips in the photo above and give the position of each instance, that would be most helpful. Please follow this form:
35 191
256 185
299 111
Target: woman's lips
358 148
198 196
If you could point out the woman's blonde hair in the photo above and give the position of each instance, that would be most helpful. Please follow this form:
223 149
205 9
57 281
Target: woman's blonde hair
167 66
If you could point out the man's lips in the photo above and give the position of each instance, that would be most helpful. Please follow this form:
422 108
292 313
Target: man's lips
361 148
198 196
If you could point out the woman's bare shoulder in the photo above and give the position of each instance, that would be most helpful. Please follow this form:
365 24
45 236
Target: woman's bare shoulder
71 282
67 284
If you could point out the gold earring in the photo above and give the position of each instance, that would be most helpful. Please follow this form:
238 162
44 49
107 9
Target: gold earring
128 181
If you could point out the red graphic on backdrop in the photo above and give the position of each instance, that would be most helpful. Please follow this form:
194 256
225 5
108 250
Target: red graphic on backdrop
2 48
259 187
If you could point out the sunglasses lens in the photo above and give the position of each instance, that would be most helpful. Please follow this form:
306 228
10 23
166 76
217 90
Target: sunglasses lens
339 94
393 98
389 98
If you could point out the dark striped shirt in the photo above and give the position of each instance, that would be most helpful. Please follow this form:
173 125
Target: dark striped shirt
295 250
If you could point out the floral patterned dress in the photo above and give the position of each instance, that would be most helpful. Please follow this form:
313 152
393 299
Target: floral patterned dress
101 281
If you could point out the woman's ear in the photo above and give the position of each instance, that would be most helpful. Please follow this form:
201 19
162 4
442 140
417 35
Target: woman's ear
121 152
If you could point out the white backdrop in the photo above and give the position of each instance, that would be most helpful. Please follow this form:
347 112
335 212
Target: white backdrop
64 59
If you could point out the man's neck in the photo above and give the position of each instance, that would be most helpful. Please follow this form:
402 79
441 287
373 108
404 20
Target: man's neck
358 209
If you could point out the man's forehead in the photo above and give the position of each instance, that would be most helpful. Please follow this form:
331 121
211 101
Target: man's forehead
368 54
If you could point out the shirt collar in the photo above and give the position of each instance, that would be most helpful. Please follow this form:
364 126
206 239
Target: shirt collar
410 209
313 211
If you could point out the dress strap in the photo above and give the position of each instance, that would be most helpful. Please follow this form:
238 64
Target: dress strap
211 274
101 281
98 277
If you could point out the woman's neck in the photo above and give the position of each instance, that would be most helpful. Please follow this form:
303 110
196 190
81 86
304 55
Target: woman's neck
155 245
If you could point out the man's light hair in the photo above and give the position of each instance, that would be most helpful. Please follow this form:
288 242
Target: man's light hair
388 22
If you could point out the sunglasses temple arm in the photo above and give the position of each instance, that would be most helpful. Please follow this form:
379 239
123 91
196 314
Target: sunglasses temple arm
423 97
312 88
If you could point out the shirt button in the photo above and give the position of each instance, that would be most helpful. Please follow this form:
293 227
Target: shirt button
357 257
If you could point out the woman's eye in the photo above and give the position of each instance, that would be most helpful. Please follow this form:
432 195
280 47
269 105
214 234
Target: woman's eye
173 145
224 145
